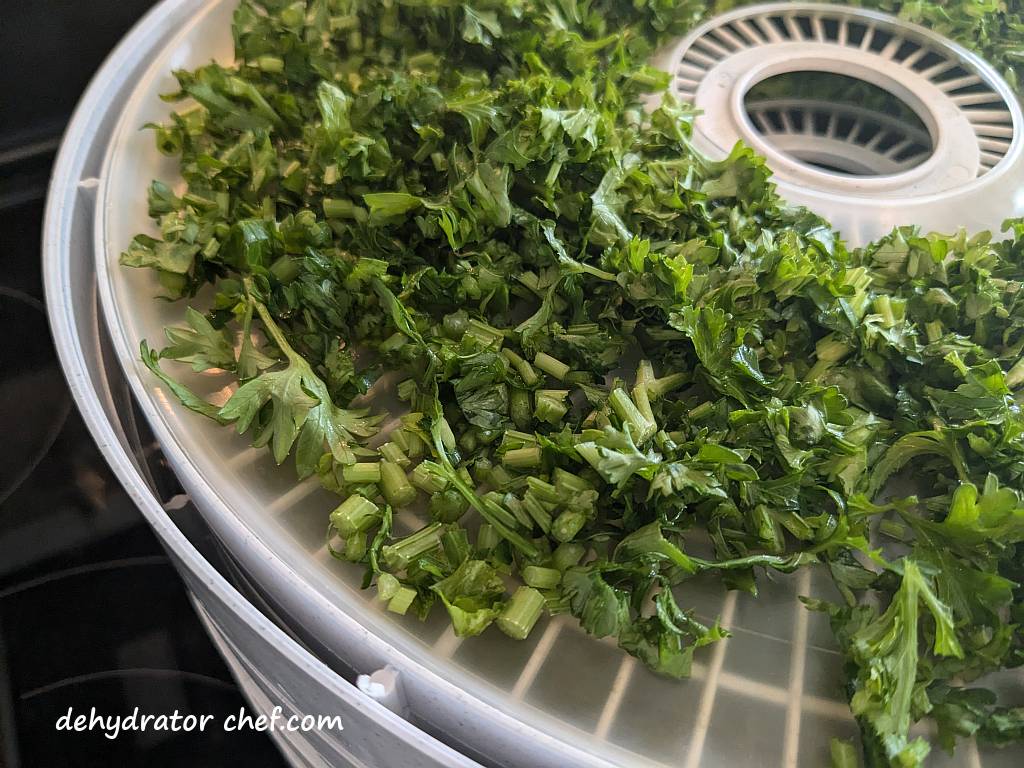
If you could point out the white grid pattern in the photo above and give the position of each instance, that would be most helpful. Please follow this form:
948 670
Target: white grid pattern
712 671
714 677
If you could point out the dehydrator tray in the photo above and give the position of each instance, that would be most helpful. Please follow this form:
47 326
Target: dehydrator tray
768 696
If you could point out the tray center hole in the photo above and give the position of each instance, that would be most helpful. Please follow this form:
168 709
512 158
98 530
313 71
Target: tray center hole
838 124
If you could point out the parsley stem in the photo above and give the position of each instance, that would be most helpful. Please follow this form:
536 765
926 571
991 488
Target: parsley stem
545 492
550 405
393 453
551 366
843 753
402 600
521 612
519 408
883 306
339 208
395 485
567 554
367 472
516 439
643 404
700 411
487 538
294 358
516 506
1015 376
644 373
783 563
427 481
447 506
539 577
830 349
455 542
272 64
658 388
568 524
522 367
285 269
567 481
538 512
499 476
486 336
408 441
355 546
387 586
649 541
626 410
356 513
522 458
399 555
502 520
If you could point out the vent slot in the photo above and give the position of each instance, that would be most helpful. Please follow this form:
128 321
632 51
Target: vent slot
879 40
855 33
806 26
906 50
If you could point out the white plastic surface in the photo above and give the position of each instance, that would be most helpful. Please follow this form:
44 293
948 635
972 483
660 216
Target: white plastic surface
768 696
385 686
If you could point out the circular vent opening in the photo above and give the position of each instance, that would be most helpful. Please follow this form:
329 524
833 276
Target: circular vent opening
838 124
843 100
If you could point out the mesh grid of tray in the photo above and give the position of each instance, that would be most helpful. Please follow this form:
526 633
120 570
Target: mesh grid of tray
768 696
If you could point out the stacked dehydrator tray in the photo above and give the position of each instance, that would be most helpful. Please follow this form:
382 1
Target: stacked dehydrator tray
294 624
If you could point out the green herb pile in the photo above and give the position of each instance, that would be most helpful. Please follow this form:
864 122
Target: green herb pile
616 354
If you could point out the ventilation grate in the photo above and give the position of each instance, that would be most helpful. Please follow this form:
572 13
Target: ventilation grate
944 81
839 138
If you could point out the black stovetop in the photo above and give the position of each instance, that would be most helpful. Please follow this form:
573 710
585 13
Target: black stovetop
92 614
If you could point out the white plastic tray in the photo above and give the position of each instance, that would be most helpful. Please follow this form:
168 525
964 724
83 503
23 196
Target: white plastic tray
768 696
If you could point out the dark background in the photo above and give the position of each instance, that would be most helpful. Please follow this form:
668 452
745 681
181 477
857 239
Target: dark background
91 612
